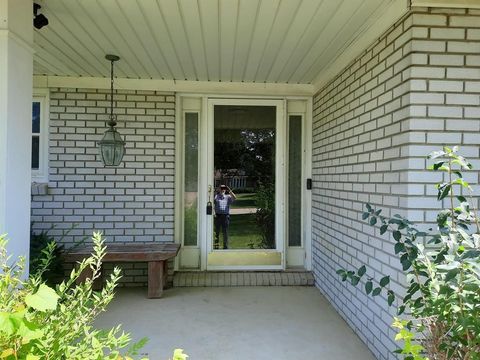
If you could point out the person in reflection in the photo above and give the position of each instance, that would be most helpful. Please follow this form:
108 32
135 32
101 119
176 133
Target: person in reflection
223 199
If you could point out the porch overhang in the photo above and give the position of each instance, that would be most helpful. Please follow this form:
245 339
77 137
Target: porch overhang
182 86
262 47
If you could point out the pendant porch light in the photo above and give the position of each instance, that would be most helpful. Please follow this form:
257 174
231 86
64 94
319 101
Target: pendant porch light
112 146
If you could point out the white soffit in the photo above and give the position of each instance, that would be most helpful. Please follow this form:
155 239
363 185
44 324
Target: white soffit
371 31
240 41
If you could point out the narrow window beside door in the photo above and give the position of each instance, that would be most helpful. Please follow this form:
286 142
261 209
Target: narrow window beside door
36 122
295 180
190 195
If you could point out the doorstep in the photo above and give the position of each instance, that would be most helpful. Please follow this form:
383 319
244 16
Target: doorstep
242 278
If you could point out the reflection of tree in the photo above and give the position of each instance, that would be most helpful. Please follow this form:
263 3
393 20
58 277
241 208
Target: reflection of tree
250 150
265 215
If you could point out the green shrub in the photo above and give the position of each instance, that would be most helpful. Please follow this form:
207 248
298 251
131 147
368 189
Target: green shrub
39 241
443 276
265 215
39 322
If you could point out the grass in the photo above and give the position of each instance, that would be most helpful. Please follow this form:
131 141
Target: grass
246 200
243 232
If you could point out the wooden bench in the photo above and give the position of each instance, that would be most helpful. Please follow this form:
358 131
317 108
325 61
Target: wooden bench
155 254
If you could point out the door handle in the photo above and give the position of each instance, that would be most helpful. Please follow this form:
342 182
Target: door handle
209 203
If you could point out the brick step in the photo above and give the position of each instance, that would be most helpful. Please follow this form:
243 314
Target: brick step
242 278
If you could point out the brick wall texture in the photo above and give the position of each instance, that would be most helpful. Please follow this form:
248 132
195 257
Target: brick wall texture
414 90
130 203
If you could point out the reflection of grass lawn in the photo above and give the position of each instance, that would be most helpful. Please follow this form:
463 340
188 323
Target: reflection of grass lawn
243 231
246 200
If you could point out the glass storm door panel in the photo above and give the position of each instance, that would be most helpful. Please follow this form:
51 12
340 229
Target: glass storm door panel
244 162
245 225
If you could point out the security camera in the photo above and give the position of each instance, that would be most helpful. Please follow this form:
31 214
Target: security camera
39 20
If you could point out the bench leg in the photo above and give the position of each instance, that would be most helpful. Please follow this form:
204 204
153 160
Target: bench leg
155 279
87 273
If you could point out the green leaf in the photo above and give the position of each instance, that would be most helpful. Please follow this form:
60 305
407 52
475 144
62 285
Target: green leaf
397 235
385 281
44 299
7 326
442 218
368 287
462 182
368 206
471 254
365 215
376 291
362 271
461 199
460 160
178 354
383 229
32 357
390 297
443 191
399 247
438 165
95 343
136 347
406 264
452 274
29 331
355 279
436 154
412 289
373 221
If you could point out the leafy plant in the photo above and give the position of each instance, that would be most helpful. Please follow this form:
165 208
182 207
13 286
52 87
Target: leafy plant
39 322
39 241
442 271
265 215
179 355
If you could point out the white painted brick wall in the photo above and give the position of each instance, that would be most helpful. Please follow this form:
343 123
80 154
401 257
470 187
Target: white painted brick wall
131 203
372 129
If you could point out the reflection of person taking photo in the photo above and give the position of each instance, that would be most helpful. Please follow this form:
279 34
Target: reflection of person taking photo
223 199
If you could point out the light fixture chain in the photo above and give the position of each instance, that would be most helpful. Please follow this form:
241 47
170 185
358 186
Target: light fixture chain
112 122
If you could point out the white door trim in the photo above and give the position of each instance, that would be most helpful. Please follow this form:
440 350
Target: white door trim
204 172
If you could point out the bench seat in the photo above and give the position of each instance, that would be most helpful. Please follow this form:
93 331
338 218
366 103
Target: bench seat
156 255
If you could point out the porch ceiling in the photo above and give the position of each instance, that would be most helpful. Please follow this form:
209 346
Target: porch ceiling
274 41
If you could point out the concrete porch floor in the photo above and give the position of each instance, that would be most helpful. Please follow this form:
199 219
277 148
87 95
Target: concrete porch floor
236 323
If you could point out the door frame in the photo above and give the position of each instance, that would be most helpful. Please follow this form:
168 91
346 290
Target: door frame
201 249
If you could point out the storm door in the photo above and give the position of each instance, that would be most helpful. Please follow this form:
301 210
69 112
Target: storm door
244 213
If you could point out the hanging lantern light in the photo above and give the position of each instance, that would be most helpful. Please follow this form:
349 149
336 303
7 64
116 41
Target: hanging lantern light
112 146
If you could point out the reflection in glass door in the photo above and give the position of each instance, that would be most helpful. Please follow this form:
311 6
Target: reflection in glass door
246 172
244 177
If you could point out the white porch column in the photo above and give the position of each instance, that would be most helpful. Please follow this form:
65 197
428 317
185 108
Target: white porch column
16 77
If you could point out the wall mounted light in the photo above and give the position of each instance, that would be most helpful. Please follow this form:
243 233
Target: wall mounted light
112 146
39 20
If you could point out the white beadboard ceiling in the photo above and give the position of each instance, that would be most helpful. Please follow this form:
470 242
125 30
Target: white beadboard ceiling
263 41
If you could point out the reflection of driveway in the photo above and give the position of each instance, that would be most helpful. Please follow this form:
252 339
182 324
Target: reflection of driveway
242 211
